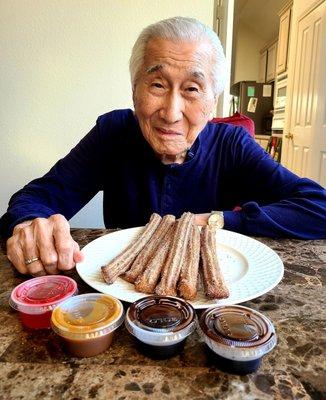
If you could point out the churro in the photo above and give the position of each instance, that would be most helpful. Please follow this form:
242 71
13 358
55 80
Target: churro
171 271
149 251
214 283
187 285
147 281
122 262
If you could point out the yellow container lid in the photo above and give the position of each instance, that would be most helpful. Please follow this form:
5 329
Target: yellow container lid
87 316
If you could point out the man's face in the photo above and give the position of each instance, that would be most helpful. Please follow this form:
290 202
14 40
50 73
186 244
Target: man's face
173 96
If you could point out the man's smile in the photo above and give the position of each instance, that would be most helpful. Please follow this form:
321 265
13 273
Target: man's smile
168 132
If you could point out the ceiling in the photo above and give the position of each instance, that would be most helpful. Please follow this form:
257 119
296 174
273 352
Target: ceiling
260 15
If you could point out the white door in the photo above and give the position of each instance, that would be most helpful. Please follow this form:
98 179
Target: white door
305 142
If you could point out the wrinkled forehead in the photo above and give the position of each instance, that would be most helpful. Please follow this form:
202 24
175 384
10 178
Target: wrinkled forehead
194 58
197 74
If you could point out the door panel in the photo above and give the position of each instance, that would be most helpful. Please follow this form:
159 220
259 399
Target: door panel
307 120
282 48
322 168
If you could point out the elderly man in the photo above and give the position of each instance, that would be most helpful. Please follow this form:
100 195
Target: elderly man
164 157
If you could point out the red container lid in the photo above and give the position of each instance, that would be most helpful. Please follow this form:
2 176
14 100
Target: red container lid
42 294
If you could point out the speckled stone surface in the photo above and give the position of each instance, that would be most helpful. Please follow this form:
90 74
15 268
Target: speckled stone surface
34 365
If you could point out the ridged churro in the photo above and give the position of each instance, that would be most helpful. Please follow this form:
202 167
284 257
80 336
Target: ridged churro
149 251
122 262
146 282
214 283
187 285
171 271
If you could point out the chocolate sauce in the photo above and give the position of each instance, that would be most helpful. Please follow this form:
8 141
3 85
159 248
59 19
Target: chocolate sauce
160 325
232 366
159 352
238 337
160 316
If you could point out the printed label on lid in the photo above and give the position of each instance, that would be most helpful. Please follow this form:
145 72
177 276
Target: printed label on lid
160 316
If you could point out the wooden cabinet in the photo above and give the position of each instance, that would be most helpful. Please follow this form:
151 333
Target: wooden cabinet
283 40
267 63
271 62
262 67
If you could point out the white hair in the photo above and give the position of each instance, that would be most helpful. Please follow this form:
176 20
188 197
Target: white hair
185 30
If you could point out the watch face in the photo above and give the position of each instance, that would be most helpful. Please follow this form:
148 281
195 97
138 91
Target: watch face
216 219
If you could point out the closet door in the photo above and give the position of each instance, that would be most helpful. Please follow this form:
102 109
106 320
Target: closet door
305 141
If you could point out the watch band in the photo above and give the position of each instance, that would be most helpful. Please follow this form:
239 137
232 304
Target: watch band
216 219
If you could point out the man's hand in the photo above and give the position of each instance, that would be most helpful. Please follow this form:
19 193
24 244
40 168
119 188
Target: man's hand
47 240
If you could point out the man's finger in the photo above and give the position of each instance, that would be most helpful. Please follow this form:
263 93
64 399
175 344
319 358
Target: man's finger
43 231
78 255
51 269
36 269
64 243
30 251
15 255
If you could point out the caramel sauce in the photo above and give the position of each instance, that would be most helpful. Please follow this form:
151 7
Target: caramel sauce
88 316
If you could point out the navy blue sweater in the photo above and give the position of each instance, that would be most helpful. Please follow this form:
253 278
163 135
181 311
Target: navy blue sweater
224 168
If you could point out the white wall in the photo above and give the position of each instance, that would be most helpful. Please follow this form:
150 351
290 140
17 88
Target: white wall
247 46
63 63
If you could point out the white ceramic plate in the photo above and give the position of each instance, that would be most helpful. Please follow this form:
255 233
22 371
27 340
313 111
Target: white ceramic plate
250 268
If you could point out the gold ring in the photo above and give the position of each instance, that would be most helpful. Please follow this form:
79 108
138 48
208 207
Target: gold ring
31 260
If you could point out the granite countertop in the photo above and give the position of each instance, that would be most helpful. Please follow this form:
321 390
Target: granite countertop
34 366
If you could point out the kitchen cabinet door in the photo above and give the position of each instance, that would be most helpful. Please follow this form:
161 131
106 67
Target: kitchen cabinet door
262 67
271 62
283 42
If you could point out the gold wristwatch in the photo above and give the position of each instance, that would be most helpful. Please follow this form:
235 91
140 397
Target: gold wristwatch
216 219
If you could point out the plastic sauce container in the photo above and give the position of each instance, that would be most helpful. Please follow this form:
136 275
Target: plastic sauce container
160 324
238 337
86 323
36 298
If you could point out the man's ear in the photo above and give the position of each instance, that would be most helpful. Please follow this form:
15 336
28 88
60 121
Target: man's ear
213 110
134 94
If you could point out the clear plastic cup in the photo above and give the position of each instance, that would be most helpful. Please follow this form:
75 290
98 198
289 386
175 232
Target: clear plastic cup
36 298
86 323
160 324
238 337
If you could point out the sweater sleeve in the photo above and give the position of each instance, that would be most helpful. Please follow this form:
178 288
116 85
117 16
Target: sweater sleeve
65 189
276 202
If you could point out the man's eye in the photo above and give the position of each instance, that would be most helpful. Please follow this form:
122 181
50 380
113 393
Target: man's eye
192 89
157 85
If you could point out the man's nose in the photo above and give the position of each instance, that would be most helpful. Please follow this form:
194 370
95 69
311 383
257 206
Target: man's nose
172 107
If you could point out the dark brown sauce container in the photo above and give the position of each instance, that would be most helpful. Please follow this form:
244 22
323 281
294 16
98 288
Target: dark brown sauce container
160 324
238 337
